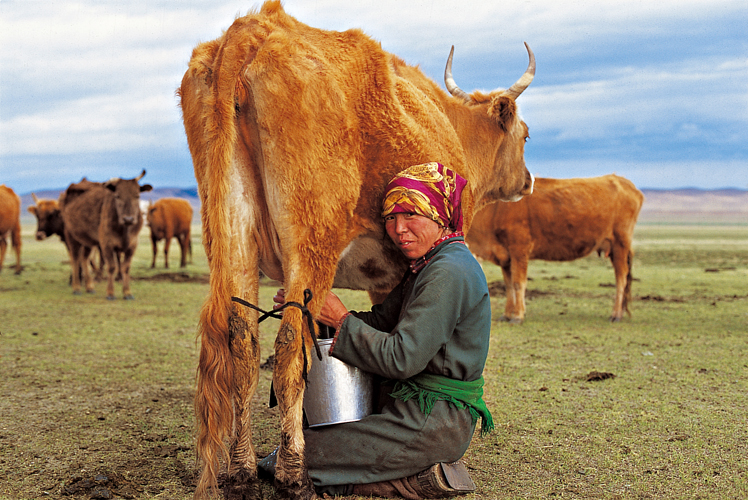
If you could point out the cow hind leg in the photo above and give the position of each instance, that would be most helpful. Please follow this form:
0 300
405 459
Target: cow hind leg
3 249
183 247
291 478
16 238
154 246
620 256
242 482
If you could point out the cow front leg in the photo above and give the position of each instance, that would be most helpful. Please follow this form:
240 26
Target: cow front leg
108 254
125 268
291 478
242 482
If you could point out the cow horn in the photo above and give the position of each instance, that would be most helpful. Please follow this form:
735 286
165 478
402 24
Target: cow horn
143 173
450 82
524 81
36 200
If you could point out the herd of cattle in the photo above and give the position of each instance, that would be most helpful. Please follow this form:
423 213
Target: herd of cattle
102 216
563 220
294 133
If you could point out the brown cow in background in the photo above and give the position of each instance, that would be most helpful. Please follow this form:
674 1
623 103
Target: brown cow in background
171 218
49 222
107 215
48 218
563 220
10 224
294 134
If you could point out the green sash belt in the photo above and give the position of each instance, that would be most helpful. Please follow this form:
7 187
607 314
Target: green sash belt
430 388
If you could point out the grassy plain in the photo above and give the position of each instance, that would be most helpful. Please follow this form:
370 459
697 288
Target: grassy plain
96 396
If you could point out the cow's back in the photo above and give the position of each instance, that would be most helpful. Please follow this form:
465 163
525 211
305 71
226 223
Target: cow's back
570 218
10 209
169 217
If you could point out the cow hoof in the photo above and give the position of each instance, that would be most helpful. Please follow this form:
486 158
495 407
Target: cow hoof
516 321
242 486
614 319
296 491
90 291
129 296
110 297
504 319
77 292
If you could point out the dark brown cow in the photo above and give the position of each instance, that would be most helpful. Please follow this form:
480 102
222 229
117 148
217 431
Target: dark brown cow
49 222
563 220
294 133
107 215
10 224
171 218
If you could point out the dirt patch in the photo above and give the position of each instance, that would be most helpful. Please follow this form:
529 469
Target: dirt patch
498 289
178 278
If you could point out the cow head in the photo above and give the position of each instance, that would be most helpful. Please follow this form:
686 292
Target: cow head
502 131
48 218
127 198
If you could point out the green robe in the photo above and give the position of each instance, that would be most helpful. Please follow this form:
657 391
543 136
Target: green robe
435 321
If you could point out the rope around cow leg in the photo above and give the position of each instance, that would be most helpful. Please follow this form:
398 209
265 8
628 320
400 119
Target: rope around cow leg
274 314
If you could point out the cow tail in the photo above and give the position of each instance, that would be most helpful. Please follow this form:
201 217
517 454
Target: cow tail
629 279
215 378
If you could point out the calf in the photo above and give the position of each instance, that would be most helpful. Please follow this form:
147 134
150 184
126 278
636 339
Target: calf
10 224
563 220
107 215
171 218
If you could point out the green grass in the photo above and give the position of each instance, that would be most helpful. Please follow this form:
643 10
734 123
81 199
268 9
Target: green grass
98 387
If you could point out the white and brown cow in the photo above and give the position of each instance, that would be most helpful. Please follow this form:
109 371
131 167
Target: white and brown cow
563 220
294 133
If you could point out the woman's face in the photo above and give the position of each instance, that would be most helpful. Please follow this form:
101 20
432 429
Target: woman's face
413 234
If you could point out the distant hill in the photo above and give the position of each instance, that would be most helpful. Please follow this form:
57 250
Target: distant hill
689 205
695 205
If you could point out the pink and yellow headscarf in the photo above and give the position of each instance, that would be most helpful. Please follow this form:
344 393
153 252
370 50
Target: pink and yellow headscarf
431 190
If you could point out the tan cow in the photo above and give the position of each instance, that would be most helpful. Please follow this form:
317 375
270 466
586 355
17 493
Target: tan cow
107 215
10 224
563 220
171 218
294 133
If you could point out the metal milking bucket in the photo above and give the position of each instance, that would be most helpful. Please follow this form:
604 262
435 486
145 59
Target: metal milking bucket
336 392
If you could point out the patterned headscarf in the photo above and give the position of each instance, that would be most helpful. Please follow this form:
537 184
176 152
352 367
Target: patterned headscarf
431 190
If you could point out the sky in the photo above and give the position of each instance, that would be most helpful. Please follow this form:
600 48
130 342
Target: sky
655 91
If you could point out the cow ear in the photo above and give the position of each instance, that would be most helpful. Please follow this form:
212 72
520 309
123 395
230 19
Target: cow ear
504 110
32 209
145 187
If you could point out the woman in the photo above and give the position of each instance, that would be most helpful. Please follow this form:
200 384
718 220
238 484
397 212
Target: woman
430 336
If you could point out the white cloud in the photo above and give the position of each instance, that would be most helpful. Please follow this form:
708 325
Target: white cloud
87 76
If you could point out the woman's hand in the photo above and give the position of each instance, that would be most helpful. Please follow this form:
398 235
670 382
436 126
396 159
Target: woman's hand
279 298
332 310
